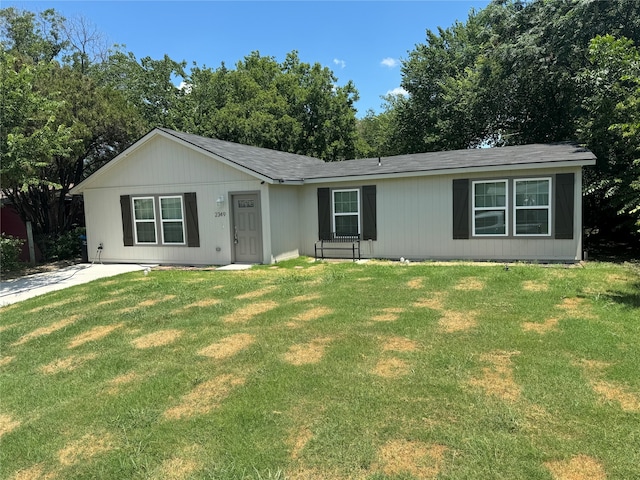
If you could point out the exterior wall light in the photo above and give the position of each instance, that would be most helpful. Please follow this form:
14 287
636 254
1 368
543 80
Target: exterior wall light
220 201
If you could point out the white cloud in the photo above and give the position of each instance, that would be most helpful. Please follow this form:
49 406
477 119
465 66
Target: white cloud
398 91
390 62
340 63
186 87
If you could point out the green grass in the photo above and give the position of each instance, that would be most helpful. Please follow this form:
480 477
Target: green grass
375 371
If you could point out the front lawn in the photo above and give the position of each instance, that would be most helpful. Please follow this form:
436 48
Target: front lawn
322 371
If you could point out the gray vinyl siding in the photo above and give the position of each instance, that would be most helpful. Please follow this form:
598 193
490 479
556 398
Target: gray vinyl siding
164 167
415 221
285 231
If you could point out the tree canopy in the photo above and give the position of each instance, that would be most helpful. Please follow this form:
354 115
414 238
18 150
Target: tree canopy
534 72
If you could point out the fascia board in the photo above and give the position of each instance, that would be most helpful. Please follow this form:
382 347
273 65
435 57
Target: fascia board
452 171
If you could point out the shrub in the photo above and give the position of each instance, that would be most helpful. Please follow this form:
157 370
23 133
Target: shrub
68 245
10 249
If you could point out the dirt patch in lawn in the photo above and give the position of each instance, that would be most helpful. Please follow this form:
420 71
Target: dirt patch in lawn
85 448
66 364
207 302
390 314
545 327
157 339
7 424
35 472
609 391
307 353
107 302
313 314
307 473
435 302
470 284
246 313
452 321
577 307
592 366
299 440
204 397
42 331
256 293
57 304
616 278
147 303
309 297
391 368
153 301
96 333
7 327
629 402
497 378
399 344
115 384
6 308
582 467
177 468
6 360
531 286
421 460
228 347
415 283
204 303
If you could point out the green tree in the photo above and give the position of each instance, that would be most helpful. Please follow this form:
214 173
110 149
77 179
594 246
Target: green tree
148 85
293 106
610 125
37 37
57 125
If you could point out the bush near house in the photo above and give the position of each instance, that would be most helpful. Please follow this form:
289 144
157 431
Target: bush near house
10 248
65 246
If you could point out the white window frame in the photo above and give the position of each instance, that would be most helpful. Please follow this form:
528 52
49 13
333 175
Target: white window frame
531 207
172 220
136 221
475 209
350 214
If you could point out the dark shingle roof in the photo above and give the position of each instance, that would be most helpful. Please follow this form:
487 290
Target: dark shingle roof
547 154
269 163
288 166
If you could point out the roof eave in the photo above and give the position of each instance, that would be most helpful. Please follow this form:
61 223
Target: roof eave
451 171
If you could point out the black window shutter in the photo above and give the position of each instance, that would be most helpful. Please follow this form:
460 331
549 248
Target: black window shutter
565 209
127 224
191 214
324 214
461 208
369 224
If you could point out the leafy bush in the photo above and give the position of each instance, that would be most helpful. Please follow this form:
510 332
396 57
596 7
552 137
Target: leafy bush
63 247
10 249
69 244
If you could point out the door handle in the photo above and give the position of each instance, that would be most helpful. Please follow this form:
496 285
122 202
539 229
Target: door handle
235 235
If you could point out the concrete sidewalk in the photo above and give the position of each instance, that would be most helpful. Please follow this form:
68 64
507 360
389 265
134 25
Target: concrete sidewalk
19 289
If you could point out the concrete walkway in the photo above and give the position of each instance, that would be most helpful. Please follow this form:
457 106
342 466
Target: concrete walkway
19 289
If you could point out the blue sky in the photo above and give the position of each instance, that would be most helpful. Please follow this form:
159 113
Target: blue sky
362 41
